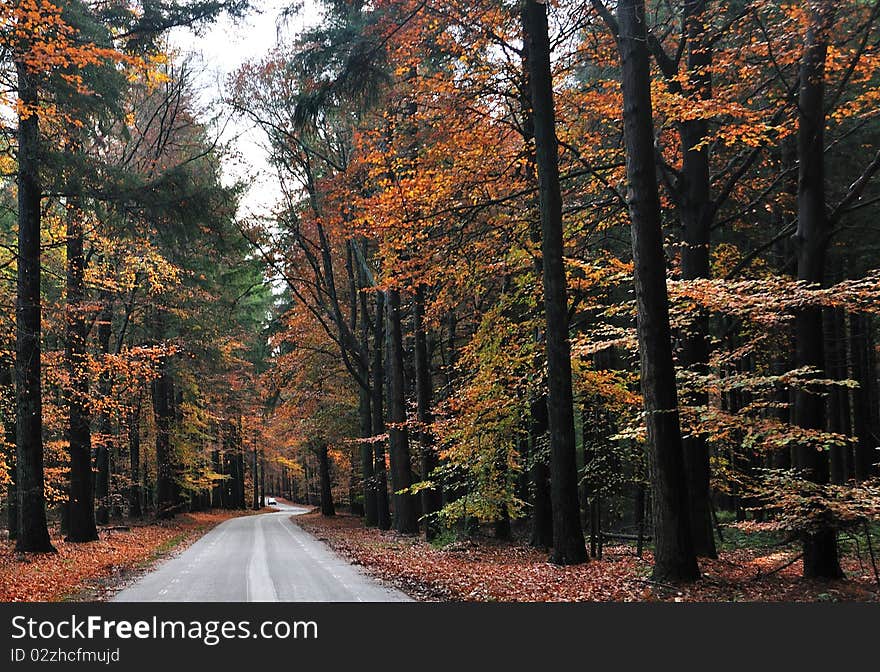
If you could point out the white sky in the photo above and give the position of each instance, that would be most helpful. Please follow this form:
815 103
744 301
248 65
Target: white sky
218 52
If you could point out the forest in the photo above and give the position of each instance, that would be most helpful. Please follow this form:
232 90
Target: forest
561 275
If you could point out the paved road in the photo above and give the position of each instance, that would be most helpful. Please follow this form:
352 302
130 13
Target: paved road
262 558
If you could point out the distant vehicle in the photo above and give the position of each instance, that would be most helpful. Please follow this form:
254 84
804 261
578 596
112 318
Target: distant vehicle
270 502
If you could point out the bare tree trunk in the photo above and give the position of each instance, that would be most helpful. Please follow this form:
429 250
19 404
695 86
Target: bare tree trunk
163 411
820 545
674 557
33 530
371 511
255 475
696 216
432 499
81 495
568 538
7 399
102 452
134 461
327 508
405 518
383 513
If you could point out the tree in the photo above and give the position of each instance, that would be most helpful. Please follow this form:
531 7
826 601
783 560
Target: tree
674 557
568 539
820 545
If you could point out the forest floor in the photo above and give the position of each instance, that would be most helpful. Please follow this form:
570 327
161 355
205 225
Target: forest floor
483 569
94 570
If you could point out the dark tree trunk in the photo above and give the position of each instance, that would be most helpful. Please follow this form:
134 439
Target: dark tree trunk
674 557
7 398
134 461
405 517
539 472
81 494
217 490
568 538
432 498
820 545
102 451
696 218
371 511
383 514
324 471
241 496
229 469
255 475
262 479
33 531
163 412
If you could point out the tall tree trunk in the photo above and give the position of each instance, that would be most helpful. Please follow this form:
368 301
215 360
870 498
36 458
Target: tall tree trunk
81 494
674 557
7 398
405 517
371 511
820 544
432 499
327 508
217 490
102 452
33 530
539 471
696 219
262 478
255 474
134 461
163 412
383 514
568 538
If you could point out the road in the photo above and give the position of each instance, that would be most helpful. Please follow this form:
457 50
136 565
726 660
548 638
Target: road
260 558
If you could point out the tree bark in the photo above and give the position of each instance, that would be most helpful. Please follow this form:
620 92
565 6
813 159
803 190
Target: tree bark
674 557
405 517
383 514
262 478
811 237
255 474
217 490
102 452
33 530
135 510
432 499
324 471
371 511
163 412
696 218
81 523
568 538
7 398
539 471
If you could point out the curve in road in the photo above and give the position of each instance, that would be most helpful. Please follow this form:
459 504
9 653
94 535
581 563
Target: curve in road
260 558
